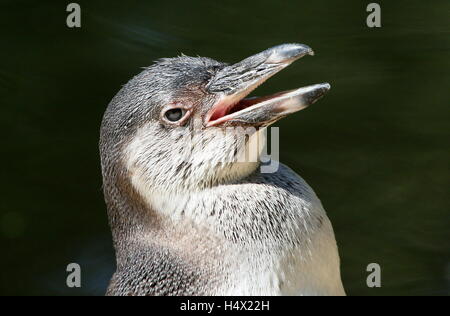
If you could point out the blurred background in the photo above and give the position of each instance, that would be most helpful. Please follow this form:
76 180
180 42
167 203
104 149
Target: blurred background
375 149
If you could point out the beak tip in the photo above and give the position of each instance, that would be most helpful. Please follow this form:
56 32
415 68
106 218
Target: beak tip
316 92
288 52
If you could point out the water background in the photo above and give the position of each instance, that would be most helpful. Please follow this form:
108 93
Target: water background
375 149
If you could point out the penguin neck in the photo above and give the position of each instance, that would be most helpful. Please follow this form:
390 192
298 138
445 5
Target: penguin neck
209 229
138 213
127 212
139 226
225 209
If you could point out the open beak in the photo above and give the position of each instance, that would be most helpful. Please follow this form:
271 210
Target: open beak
233 83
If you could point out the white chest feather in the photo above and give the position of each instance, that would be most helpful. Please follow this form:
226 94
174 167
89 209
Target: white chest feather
276 243
272 234
307 269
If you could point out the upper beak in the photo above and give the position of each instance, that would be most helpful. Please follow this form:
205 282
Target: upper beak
233 83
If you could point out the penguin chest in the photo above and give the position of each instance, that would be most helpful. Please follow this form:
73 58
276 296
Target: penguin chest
310 268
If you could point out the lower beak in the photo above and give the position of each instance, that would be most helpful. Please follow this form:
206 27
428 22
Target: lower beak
233 83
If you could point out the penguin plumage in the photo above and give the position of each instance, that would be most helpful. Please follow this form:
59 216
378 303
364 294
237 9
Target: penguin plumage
189 215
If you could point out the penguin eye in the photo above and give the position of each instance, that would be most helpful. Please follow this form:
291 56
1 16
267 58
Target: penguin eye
174 115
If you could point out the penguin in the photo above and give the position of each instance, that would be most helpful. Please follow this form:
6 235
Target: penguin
190 208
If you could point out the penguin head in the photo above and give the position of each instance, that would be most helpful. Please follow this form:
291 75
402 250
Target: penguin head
186 123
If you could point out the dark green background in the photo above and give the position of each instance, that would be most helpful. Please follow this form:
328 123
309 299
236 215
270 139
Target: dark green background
375 149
